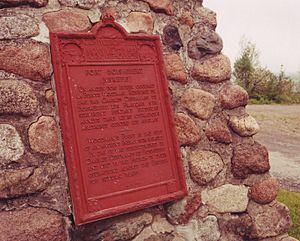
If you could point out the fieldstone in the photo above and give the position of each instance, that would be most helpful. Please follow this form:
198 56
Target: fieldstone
17 97
66 20
148 235
283 237
188 231
215 69
95 15
56 195
236 226
206 230
171 37
145 234
32 224
110 11
43 135
15 3
233 96
161 225
187 19
14 183
175 68
217 130
138 22
249 159
11 145
200 103
244 125
84 4
49 96
160 237
27 58
187 131
164 6
207 17
226 198
17 26
289 239
127 227
269 220
181 211
265 191
206 43
205 166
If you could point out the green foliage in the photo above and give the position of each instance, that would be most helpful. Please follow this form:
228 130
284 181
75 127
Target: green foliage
262 85
292 201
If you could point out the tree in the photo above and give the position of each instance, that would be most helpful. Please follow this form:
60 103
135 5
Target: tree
262 85
245 66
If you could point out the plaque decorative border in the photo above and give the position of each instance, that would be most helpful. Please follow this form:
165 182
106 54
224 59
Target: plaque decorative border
117 61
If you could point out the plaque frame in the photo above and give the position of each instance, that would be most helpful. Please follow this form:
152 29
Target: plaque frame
67 52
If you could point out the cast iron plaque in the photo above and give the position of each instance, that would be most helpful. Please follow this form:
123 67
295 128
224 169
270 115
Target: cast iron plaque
116 118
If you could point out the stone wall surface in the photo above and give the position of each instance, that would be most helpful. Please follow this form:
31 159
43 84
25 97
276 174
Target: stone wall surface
231 195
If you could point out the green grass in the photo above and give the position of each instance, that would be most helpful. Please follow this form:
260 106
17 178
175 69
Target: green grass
292 201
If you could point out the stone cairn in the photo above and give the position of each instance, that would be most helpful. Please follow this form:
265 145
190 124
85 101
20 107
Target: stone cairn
231 194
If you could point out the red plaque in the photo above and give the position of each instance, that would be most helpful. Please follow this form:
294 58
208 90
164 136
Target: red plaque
116 118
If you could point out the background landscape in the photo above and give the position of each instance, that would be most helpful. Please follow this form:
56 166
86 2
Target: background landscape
261 41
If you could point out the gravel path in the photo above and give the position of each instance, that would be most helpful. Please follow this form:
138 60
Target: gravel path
280 133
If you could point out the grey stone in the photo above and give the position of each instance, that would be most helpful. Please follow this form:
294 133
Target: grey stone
226 198
17 26
188 231
11 145
160 225
17 97
244 125
206 43
205 166
200 103
206 230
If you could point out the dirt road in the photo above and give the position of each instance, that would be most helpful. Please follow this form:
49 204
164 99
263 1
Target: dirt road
280 133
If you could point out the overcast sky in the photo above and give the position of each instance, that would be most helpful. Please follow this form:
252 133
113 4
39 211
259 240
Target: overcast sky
273 25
